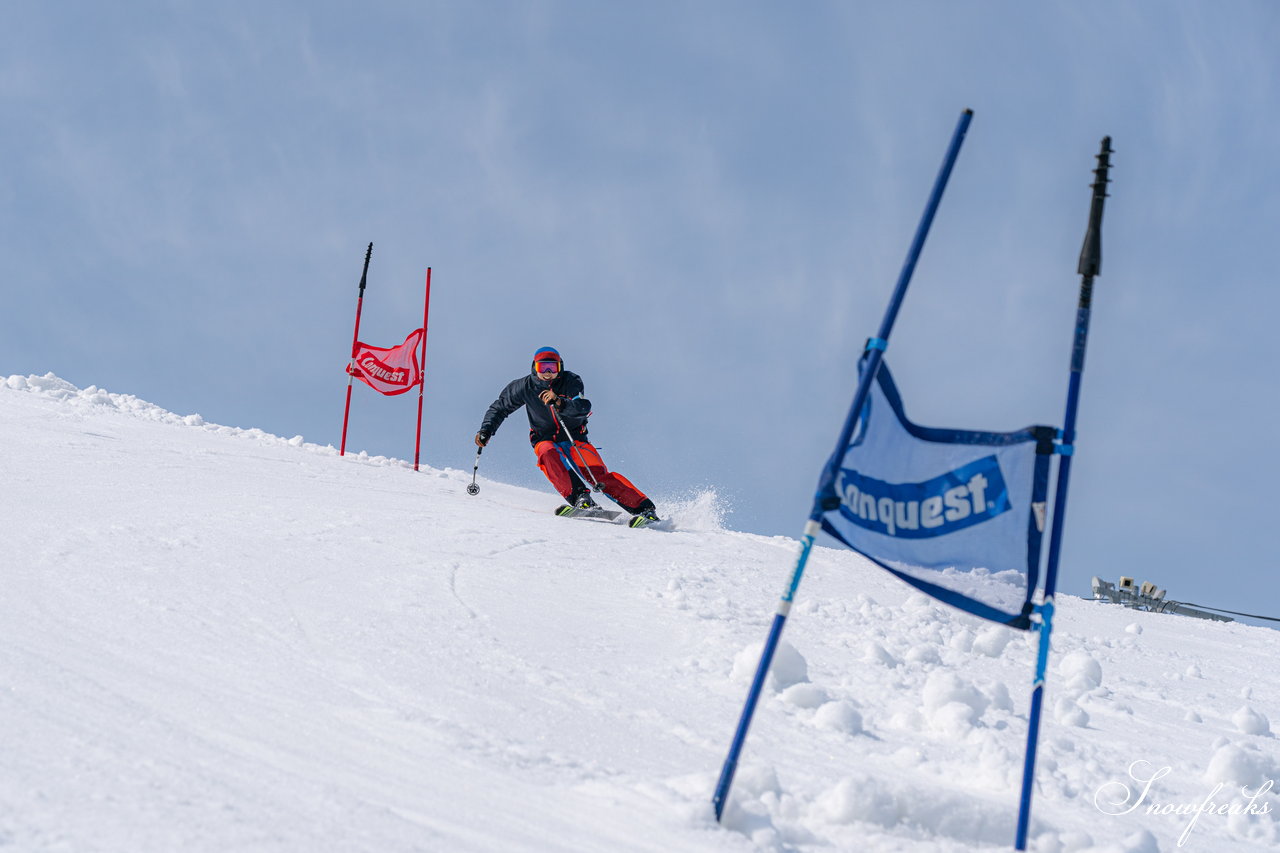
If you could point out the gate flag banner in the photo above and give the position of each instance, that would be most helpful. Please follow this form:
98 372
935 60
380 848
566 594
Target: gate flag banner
939 507
932 505
391 370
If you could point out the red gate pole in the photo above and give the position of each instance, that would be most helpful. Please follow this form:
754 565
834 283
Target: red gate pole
422 365
355 337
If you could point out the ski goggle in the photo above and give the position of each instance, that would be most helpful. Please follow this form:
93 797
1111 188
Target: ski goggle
548 366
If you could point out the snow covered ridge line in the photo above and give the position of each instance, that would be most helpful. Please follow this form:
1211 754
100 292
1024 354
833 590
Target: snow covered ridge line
54 387
700 509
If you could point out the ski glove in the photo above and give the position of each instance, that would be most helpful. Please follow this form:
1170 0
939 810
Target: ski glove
482 438
578 407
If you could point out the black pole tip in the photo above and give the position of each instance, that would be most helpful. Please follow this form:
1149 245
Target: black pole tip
968 111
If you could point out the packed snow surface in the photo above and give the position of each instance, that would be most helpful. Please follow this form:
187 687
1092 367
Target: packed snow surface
217 639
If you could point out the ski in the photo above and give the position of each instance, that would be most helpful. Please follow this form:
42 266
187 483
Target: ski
592 512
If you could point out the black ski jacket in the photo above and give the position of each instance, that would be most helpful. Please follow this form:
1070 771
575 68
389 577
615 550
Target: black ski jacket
527 391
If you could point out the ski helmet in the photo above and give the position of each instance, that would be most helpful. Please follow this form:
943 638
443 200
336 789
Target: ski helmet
547 354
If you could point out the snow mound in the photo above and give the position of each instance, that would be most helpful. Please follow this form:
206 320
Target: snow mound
1081 671
787 669
839 716
1251 722
1242 764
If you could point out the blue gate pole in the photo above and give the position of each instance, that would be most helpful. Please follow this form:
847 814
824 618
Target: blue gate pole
826 484
1090 265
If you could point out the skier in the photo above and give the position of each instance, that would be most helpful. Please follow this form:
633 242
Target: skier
552 397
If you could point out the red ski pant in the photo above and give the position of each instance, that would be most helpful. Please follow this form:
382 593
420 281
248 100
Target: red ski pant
551 459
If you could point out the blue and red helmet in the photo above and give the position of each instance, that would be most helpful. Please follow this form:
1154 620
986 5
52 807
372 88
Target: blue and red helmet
547 354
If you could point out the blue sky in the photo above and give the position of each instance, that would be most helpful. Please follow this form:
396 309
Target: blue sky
703 206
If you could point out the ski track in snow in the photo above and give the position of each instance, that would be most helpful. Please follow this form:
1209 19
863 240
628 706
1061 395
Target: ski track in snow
219 639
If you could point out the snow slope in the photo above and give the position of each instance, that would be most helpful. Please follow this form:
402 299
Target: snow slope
218 639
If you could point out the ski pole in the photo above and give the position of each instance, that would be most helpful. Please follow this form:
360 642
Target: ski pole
355 343
473 489
582 471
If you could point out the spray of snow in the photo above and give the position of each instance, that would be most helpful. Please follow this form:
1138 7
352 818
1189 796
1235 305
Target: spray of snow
700 510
